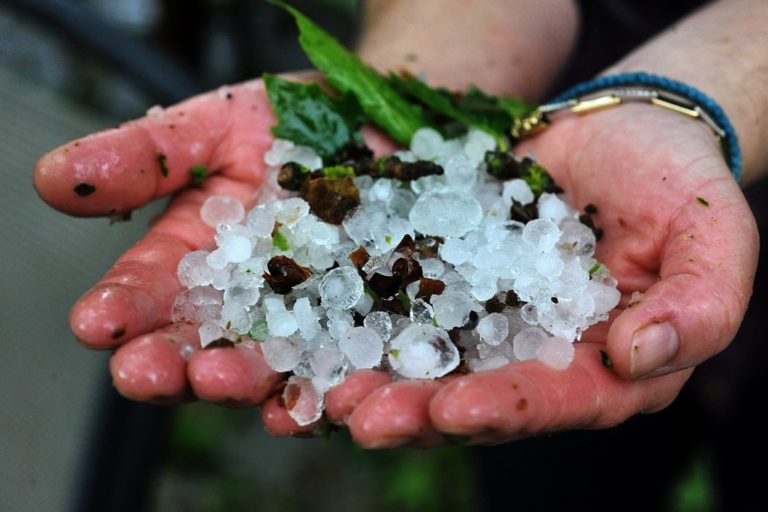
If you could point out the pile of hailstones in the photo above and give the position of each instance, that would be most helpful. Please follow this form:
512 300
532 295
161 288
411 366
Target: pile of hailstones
479 289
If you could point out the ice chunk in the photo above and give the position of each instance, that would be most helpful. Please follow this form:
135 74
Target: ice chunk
422 312
452 308
432 267
553 208
456 251
221 210
305 318
236 249
281 353
193 269
477 144
376 230
517 190
445 213
338 322
280 321
549 265
291 210
542 234
362 346
493 329
526 343
556 352
380 322
426 143
261 221
460 173
341 288
302 401
423 351
209 332
328 366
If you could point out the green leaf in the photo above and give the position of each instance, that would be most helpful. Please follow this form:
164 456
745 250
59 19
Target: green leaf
338 171
348 74
308 116
537 177
280 241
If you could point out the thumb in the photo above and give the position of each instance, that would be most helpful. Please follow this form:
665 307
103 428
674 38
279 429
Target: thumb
705 280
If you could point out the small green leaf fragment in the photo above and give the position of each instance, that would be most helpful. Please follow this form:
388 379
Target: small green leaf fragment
280 241
594 268
198 174
259 330
388 239
338 171
163 161
394 353
605 359
702 201
403 299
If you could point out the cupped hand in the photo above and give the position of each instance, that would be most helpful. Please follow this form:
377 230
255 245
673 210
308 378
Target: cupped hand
677 230
115 171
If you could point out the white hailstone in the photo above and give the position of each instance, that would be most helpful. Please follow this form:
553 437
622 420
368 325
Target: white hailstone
291 210
193 269
380 322
451 309
306 319
302 401
338 322
542 234
281 353
517 190
456 251
364 305
237 249
217 259
242 293
445 213
221 210
526 343
275 156
209 331
432 268
328 366
549 265
556 352
362 346
605 297
374 229
261 221
341 288
460 173
576 238
423 351
280 321
553 208
421 312
477 144
381 190
305 156
493 329
426 143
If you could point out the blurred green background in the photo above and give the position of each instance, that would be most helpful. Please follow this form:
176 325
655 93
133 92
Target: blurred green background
67 442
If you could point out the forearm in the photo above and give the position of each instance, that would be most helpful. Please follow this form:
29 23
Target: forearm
722 50
512 47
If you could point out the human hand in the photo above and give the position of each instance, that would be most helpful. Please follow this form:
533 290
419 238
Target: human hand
129 309
693 259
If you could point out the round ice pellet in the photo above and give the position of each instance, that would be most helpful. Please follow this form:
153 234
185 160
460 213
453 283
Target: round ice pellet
556 352
221 210
281 353
542 234
493 329
445 213
362 346
341 288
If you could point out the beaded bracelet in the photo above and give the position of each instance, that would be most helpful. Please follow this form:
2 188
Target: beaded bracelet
612 90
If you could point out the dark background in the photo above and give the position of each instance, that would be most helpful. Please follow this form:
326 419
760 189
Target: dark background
68 442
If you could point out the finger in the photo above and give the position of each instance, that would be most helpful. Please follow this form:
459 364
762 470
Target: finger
395 415
234 376
278 422
121 169
153 367
528 398
136 295
705 280
342 400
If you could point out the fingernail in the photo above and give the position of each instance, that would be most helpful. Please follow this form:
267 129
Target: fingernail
652 347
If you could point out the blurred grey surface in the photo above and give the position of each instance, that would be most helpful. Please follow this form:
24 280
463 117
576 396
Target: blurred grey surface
48 382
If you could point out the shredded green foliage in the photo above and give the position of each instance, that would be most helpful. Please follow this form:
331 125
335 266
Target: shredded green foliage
403 299
594 268
308 116
198 174
348 74
280 241
338 171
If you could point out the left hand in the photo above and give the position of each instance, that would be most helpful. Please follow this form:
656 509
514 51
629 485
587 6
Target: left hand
677 229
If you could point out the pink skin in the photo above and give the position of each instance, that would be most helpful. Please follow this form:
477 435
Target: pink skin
641 166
